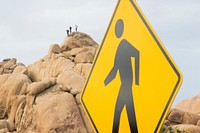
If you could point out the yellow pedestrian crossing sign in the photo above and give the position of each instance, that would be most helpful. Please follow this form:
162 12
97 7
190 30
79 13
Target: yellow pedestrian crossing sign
133 81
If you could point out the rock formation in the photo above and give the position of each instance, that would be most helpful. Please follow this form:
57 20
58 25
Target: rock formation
8 66
44 97
185 116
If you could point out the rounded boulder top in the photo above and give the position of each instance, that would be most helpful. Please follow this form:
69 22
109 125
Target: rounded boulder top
77 40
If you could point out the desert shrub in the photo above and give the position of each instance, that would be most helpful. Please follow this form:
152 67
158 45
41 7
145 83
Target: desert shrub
169 129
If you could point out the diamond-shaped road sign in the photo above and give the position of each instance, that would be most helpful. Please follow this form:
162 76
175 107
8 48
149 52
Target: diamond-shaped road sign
133 81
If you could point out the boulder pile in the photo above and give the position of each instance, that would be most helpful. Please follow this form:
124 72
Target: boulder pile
185 116
8 66
44 97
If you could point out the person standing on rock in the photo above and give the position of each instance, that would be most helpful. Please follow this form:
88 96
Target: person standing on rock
76 28
70 29
123 63
67 32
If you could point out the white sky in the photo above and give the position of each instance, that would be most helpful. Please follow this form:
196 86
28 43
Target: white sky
28 27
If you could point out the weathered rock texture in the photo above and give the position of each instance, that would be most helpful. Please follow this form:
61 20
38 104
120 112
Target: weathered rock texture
8 66
45 96
185 116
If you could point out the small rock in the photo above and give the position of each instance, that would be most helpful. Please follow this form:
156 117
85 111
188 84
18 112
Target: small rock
78 67
9 63
86 69
38 87
84 57
21 69
78 99
167 123
69 43
67 54
190 118
176 116
54 48
7 71
187 128
7 59
71 80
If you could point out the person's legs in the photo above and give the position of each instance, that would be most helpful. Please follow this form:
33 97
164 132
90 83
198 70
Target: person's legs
118 110
131 114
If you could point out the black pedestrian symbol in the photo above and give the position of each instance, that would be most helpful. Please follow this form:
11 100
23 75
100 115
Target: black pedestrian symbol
123 63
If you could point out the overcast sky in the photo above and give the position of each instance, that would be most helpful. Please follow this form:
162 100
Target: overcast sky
28 27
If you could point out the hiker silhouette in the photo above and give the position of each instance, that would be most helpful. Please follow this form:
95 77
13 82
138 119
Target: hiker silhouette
76 28
123 63
67 32
70 29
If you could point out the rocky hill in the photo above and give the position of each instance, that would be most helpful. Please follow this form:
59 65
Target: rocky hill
44 97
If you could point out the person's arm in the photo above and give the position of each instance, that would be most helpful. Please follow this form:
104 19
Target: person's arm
111 75
136 55
137 68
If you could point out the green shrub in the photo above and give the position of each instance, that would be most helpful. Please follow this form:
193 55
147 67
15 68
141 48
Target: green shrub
168 129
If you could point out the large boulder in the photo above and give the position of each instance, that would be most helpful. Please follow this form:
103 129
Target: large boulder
53 111
71 81
38 87
10 86
48 67
78 40
191 105
175 116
